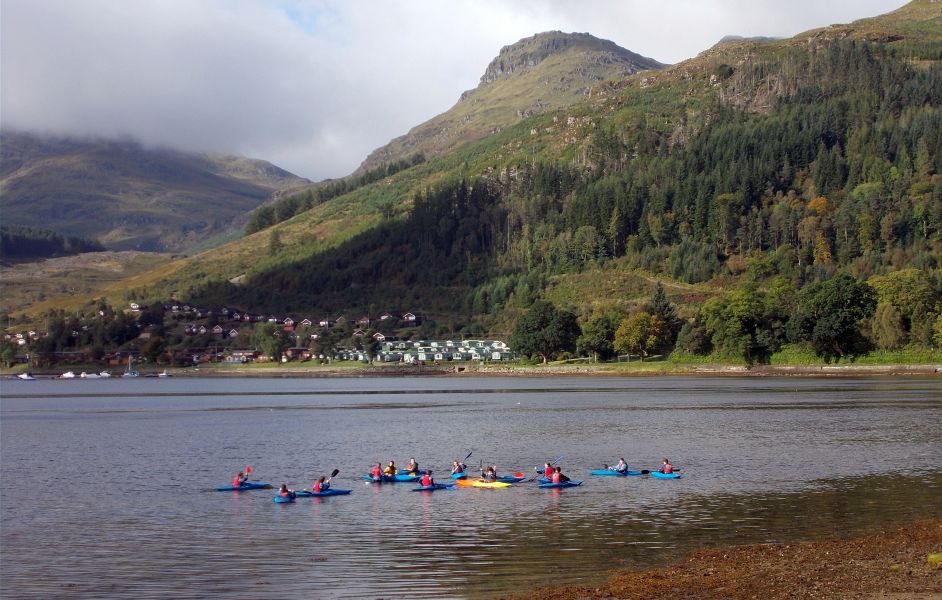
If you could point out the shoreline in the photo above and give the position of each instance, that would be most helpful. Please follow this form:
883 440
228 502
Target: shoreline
891 563
472 370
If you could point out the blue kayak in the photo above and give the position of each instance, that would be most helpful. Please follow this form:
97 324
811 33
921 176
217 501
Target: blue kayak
248 485
660 475
563 484
327 492
511 479
461 475
284 500
432 488
393 478
614 473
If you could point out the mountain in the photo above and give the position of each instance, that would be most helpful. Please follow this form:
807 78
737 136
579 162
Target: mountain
129 196
540 73
770 164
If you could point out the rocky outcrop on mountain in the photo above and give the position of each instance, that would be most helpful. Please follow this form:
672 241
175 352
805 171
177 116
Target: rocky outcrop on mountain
547 71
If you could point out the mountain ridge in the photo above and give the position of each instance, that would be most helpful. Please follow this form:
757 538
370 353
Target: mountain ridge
538 73
127 195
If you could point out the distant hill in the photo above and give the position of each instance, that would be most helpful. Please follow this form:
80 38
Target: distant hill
128 196
543 72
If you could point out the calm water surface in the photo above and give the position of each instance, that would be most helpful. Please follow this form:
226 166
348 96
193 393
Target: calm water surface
108 485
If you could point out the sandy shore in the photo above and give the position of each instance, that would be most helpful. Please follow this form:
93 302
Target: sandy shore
893 563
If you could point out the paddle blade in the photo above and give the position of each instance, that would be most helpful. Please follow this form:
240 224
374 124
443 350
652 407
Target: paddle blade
469 455
519 474
334 472
248 469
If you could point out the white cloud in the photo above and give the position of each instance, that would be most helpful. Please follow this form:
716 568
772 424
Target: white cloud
315 85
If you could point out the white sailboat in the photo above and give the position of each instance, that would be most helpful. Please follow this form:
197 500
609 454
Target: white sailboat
130 372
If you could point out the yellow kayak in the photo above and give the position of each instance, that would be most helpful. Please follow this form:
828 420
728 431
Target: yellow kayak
482 484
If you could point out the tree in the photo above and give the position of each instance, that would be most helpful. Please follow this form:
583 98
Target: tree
7 352
640 333
888 329
371 348
598 334
829 317
545 330
268 338
665 312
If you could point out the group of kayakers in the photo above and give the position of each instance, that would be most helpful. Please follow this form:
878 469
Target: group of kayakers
552 473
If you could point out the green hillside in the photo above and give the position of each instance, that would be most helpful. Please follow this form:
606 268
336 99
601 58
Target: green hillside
751 179
128 196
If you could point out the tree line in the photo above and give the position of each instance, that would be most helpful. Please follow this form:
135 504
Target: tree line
283 209
19 242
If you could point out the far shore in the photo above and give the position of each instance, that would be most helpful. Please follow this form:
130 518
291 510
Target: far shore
899 562
650 369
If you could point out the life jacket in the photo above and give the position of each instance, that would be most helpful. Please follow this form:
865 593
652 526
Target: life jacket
285 494
377 472
236 481
548 472
413 469
557 477
668 468
426 480
317 486
390 470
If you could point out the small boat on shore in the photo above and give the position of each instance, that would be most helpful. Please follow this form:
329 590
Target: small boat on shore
26 376
67 375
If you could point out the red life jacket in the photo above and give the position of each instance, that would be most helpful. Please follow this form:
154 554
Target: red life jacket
317 486
668 468
377 472
548 472
236 481
557 477
284 494
426 480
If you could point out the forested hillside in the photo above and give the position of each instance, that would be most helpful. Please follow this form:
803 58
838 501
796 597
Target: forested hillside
797 184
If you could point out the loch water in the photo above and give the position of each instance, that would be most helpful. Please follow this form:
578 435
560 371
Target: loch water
108 485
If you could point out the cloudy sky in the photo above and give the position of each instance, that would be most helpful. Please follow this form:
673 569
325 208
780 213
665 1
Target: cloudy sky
315 85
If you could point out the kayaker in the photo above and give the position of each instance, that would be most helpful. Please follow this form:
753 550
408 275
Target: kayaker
489 474
427 480
666 467
558 477
621 467
284 492
548 470
413 467
377 471
456 468
390 468
321 485
239 479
